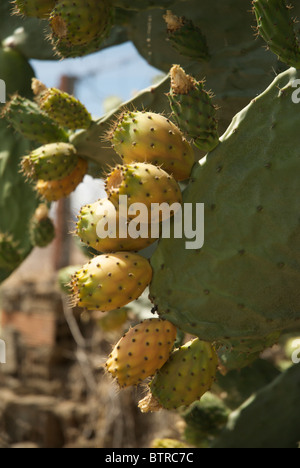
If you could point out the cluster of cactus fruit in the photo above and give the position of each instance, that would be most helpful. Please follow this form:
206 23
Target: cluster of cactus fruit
232 298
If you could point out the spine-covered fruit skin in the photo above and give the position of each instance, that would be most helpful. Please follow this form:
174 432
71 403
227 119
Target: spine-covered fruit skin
50 162
41 229
142 351
153 138
145 184
277 27
65 109
110 281
55 190
34 8
187 375
77 23
103 211
193 109
27 118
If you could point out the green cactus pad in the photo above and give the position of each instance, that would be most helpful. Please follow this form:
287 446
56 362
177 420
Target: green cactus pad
65 109
78 24
244 282
277 27
193 109
28 119
186 377
50 162
34 8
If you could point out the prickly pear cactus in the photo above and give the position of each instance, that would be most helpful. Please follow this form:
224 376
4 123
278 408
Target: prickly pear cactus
187 375
153 138
277 27
77 24
50 162
111 281
243 282
34 8
103 213
141 351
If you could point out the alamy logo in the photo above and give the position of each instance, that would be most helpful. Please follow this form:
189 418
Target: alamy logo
2 92
296 94
2 352
188 221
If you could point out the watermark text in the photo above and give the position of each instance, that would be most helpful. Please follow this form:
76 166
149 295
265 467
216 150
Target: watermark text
296 93
2 352
161 220
2 92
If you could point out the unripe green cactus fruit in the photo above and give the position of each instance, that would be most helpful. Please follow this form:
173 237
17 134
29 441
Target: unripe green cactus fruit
187 375
111 281
54 161
77 23
28 119
10 255
104 211
41 229
193 109
141 351
54 190
34 8
150 137
65 109
187 38
276 26
145 184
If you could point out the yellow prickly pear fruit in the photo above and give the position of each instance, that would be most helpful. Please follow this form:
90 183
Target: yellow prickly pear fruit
187 375
103 213
56 189
110 281
143 184
141 351
152 138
